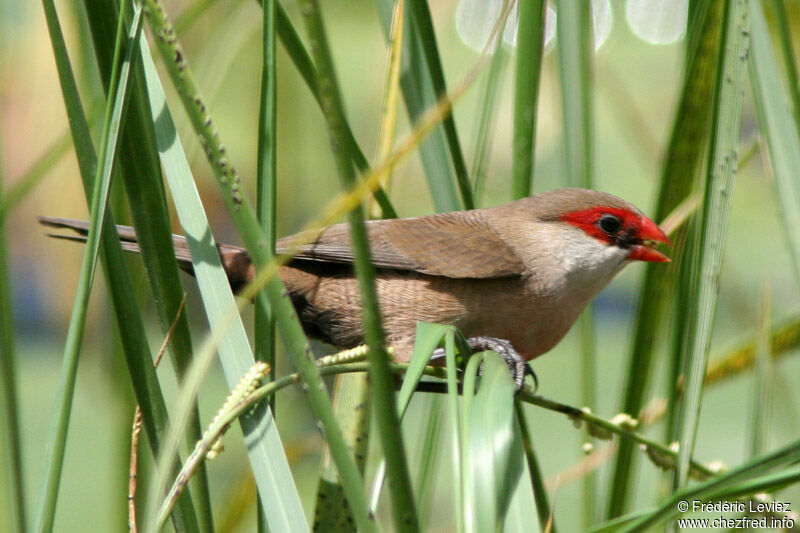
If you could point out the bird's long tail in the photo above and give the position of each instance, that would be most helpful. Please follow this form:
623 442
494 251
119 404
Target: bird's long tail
127 237
234 259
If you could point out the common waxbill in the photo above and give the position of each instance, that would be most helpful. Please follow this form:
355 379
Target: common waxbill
512 278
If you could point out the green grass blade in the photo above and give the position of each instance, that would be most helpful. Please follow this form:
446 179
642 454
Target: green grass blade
722 160
351 401
9 423
486 121
115 108
419 96
244 217
428 337
267 176
575 51
778 128
141 173
266 193
421 15
682 160
428 464
493 456
455 427
302 62
382 381
284 511
782 28
118 279
543 509
761 403
530 48
719 486
492 445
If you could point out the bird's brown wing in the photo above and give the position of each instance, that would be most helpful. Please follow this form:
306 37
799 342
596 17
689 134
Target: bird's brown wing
454 245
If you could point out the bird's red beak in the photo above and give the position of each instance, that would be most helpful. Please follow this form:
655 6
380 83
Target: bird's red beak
649 234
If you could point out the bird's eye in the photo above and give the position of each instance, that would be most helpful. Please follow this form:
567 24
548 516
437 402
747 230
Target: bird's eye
610 224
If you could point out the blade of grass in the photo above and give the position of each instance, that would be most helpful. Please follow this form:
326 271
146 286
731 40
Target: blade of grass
266 195
421 16
761 404
419 95
302 61
268 460
429 446
493 447
114 116
381 380
726 124
528 69
427 337
351 401
543 509
778 127
486 121
267 177
9 423
386 133
720 485
782 28
455 427
575 49
141 173
118 279
678 175
252 236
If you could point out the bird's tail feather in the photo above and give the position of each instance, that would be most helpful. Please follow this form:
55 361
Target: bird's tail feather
127 237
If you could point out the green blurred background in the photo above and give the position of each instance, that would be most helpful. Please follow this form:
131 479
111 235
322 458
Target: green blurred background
636 88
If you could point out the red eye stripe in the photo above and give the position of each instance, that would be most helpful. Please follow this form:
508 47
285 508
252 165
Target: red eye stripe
587 219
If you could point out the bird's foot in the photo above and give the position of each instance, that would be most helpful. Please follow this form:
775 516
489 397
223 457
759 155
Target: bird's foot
517 364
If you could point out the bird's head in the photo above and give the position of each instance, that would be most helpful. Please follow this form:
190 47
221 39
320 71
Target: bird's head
621 227
609 220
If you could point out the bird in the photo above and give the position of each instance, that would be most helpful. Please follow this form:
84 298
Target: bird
512 278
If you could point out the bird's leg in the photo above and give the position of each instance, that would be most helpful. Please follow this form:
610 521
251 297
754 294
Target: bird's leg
517 364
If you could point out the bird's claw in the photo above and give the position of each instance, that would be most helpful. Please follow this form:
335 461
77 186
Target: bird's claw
517 364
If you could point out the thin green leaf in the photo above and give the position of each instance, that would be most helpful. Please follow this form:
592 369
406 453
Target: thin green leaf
428 337
782 28
302 62
267 177
273 477
419 95
530 50
486 121
493 448
718 486
722 160
144 187
432 413
761 404
118 279
777 127
543 508
678 175
575 50
421 15
9 423
455 426
115 109
382 381
351 400
243 216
